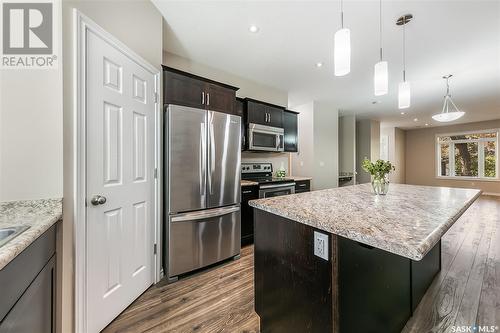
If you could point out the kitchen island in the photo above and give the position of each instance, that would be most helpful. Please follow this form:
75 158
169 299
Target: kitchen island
344 260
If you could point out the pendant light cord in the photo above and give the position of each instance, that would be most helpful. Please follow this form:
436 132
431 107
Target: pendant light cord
380 28
342 14
404 49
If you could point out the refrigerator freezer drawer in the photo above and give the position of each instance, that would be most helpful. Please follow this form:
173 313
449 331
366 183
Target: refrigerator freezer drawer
202 238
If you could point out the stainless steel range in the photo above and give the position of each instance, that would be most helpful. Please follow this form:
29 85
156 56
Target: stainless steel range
269 186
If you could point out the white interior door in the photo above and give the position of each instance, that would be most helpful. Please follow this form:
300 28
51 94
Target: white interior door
120 168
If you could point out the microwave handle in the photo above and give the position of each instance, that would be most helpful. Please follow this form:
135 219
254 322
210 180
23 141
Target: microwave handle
278 142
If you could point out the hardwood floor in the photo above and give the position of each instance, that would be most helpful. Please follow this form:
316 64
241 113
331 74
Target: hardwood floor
466 292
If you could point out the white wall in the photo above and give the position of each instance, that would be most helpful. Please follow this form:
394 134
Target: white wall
326 172
347 146
31 139
248 88
138 24
367 145
302 162
318 145
396 146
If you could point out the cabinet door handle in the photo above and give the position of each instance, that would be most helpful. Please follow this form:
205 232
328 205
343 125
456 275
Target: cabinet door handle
246 192
208 99
269 117
202 97
302 185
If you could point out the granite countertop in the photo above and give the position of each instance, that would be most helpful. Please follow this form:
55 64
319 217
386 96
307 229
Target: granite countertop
299 178
408 221
40 215
248 183
295 178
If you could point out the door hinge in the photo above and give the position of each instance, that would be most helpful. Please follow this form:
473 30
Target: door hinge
155 249
155 173
155 97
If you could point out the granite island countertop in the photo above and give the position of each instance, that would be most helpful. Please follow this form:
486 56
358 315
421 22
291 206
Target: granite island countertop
39 215
408 221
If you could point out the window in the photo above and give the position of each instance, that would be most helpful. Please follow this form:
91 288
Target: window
468 155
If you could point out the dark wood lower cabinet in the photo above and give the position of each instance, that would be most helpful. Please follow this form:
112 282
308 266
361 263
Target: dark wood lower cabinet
247 193
374 289
302 186
27 289
294 290
359 289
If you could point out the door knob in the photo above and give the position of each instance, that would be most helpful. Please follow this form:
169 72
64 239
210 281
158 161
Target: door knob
98 200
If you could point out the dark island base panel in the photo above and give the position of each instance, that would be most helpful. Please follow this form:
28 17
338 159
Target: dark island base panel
360 289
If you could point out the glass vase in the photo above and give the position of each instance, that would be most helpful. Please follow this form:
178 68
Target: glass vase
380 185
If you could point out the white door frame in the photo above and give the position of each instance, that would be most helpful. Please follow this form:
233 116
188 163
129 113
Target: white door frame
81 25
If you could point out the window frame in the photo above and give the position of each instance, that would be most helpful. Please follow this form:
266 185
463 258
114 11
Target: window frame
480 148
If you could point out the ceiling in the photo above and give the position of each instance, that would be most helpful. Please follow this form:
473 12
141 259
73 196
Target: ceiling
445 37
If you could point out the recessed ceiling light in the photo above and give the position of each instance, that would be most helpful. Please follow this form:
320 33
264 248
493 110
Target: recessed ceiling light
403 113
319 64
415 119
376 102
253 29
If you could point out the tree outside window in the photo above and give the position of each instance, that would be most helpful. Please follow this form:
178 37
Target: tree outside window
472 155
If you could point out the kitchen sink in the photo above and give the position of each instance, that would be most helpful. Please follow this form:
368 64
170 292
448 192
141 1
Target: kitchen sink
9 233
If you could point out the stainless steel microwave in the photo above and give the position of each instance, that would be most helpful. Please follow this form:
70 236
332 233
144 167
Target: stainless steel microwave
265 138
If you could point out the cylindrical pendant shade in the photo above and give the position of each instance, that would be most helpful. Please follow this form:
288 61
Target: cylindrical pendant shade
381 78
342 52
404 95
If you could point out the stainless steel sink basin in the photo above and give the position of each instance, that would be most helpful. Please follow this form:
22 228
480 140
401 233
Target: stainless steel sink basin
9 233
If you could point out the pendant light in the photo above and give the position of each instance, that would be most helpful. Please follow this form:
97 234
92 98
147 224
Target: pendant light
342 47
404 95
381 75
447 115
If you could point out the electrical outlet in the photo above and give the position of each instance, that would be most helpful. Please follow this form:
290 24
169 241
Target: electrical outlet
321 245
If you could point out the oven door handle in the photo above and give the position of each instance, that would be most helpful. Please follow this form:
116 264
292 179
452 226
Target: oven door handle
265 187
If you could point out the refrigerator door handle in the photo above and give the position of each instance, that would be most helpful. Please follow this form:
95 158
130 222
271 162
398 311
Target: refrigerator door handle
203 160
211 156
205 214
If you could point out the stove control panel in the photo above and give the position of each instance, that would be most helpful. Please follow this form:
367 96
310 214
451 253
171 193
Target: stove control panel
256 168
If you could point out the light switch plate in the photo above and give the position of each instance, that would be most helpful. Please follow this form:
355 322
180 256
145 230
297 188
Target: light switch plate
321 245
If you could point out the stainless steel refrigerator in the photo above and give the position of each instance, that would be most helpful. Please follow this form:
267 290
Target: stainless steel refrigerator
202 182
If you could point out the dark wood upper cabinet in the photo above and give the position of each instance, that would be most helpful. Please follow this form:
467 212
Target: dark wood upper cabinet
264 113
256 112
290 125
220 99
181 88
275 117
239 111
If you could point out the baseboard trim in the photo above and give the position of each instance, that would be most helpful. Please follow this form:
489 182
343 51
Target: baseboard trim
491 193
